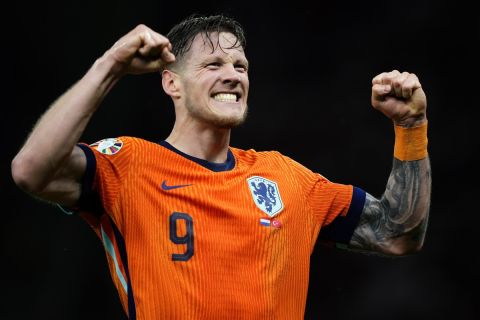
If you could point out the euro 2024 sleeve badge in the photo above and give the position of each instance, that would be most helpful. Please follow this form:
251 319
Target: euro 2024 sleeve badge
266 195
108 146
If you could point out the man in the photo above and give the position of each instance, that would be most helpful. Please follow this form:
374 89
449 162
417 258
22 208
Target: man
194 228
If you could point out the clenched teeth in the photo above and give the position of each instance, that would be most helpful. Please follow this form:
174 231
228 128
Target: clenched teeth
225 97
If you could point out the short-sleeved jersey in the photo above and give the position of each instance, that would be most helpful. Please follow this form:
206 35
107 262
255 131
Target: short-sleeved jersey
190 239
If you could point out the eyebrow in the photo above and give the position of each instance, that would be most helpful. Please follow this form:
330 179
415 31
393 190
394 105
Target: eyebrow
211 58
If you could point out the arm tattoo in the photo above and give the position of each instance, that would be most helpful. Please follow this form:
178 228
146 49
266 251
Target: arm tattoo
397 222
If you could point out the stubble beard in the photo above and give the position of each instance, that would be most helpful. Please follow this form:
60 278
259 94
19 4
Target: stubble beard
218 121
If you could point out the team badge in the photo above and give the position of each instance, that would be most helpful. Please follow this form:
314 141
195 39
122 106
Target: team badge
108 146
265 195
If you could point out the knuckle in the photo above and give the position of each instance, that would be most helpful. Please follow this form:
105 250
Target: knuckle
390 74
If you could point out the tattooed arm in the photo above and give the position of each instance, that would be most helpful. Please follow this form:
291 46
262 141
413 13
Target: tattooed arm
396 223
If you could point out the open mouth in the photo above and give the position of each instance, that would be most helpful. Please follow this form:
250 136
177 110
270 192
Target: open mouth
226 97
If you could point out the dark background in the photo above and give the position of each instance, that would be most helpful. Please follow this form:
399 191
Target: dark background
311 71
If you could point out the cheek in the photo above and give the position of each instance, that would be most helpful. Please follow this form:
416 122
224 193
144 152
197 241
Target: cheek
195 89
203 84
247 86
245 80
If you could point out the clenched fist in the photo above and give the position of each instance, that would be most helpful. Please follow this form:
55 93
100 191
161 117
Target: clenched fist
142 50
400 97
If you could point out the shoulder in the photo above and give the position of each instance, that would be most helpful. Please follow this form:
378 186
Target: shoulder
271 157
255 155
122 150
120 145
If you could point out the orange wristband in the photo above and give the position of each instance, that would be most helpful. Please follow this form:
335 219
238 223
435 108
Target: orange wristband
411 143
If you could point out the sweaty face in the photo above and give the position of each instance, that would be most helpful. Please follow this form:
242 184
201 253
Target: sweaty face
215 82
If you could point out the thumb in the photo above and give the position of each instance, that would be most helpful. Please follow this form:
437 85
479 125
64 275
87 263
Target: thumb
379 91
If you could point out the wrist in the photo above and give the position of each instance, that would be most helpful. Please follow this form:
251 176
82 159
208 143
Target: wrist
411 142
103 74
411 122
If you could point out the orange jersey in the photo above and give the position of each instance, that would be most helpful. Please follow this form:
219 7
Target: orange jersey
189 239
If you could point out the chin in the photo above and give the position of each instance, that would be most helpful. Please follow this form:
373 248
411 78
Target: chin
219 120
228 122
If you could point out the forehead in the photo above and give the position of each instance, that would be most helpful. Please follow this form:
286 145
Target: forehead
223 43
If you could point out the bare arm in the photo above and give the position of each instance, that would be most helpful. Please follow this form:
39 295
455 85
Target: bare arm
48 161
49 165
396 223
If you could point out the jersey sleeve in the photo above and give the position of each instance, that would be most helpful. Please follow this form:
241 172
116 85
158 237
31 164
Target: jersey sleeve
108 166
336 207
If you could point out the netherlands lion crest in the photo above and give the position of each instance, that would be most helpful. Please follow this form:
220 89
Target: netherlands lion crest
265 195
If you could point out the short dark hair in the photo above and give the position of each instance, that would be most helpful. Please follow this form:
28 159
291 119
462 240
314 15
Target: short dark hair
182 34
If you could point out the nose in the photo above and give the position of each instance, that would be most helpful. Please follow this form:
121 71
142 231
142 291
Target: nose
230 75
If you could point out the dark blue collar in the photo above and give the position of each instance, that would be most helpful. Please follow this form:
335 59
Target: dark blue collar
217 167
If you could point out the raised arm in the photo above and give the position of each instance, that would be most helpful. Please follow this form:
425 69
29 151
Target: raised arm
49 165
396 223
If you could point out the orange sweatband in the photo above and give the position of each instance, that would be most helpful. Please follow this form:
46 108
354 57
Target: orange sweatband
411 143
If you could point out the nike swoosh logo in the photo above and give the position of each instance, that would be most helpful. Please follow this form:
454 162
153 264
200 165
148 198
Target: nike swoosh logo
166 188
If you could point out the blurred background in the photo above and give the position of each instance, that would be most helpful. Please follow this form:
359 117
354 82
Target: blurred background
311 66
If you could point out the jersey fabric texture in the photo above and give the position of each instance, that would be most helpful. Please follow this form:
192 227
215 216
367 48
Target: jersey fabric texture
190 239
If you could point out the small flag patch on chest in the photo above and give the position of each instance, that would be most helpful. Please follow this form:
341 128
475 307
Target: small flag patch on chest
270 223
108 146
265 222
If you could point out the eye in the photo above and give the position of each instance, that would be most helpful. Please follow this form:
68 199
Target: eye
241 68
214 65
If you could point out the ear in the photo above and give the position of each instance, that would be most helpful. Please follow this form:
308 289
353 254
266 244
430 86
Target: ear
171 83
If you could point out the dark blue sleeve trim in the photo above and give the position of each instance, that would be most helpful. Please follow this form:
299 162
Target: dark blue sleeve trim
89 175
341 229
87 201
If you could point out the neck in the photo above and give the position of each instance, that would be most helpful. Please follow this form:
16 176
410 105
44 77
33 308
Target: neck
200 141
